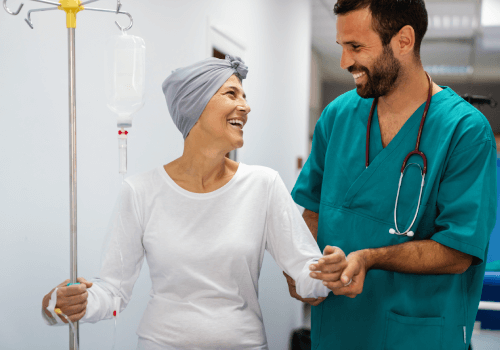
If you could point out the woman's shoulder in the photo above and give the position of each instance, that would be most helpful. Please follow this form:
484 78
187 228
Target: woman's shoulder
145 180
259 172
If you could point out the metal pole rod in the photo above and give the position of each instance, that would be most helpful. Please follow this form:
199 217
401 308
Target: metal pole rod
73 337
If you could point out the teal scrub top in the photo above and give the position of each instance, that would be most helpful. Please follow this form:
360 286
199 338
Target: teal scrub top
356 210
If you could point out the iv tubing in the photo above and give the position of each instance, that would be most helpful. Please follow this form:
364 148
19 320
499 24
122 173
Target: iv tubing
122 151
59 312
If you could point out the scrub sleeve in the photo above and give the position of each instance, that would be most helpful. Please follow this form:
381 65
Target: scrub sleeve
307 190
465 202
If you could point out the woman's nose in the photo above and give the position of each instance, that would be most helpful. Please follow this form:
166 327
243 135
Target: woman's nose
245 108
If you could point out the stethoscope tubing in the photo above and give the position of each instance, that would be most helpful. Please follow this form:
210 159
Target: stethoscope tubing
416 151
397 232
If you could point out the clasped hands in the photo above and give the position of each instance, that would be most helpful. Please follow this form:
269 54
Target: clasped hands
342 275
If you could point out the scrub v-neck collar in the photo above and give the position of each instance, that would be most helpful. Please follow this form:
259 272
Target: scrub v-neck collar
376 146
378 154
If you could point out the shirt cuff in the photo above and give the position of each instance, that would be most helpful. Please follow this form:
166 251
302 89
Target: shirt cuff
50 321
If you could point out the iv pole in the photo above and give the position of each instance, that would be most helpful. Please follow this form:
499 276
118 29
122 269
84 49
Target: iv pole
71 7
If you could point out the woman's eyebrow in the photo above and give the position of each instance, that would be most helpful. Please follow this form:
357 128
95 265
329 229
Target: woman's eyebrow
237 89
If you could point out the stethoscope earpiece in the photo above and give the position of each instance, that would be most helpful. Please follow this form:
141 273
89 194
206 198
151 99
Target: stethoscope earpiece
392 231
410 234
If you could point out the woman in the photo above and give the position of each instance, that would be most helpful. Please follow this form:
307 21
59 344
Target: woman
203 221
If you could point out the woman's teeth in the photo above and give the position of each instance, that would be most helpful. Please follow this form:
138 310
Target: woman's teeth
236 122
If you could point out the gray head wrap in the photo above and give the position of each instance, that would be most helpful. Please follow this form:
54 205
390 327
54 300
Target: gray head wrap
188 90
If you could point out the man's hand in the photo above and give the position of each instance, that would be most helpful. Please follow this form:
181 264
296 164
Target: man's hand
293 293
344 276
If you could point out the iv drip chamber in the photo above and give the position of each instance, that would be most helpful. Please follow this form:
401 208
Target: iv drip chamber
125 84
125 81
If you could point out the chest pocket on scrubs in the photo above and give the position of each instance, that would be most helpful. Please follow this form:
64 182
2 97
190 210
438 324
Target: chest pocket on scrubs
413 333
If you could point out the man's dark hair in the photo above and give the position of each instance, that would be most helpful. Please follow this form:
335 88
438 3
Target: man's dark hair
389 16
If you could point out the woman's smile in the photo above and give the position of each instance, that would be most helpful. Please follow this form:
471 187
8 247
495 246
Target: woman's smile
236 123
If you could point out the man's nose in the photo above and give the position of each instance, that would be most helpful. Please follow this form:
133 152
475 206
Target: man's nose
346 60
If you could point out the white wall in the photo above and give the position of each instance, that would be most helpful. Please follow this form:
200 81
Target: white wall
315 99
34 181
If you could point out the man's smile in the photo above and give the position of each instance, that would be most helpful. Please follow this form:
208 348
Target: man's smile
358 75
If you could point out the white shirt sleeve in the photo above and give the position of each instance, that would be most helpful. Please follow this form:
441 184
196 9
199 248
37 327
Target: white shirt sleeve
50 321
122 263
290 242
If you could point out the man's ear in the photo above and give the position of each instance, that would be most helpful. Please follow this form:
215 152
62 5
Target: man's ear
404 41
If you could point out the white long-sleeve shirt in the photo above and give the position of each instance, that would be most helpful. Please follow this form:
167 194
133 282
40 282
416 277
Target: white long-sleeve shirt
204 252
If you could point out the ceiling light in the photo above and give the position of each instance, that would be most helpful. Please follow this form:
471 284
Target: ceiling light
490 13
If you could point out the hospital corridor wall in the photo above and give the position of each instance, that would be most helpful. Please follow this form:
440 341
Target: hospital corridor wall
34 181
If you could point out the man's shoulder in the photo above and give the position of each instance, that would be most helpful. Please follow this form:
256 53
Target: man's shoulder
347 101
467 122
458 107
343 107
342 111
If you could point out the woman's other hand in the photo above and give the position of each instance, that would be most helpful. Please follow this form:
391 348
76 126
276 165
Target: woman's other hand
72 300
293 293
331 266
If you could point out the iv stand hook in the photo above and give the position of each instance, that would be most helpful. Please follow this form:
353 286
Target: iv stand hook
123 29
129 26
9 11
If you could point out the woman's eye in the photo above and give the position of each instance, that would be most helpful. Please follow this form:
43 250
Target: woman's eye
232 93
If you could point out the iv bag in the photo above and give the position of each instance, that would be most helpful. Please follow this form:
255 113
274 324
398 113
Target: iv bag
125 81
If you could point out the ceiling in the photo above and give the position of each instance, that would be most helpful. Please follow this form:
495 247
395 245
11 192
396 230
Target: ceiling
456 47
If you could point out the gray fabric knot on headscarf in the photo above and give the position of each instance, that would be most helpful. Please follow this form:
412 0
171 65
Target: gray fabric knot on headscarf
189 89
238 65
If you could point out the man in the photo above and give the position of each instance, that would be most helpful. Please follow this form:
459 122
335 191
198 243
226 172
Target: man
414 283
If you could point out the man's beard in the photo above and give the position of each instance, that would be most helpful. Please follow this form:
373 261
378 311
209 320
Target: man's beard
382 78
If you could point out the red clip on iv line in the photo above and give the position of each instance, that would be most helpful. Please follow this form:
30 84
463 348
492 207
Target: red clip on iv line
116 312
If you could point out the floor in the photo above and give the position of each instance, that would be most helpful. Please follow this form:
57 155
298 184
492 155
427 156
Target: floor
483 339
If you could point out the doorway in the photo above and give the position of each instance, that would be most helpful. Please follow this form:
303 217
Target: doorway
221 41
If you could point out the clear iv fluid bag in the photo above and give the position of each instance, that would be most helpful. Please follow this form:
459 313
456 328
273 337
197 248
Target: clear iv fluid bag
125 81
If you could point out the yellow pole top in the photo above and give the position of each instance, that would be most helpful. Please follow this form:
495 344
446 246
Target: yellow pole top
71 7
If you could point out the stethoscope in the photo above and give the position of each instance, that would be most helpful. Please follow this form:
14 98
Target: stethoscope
404 167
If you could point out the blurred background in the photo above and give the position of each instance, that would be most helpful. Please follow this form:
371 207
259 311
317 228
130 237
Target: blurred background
289 46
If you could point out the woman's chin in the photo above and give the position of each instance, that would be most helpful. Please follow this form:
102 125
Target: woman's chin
238 145
237 142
